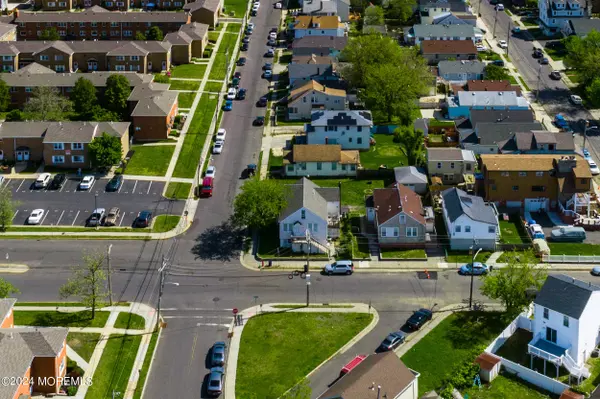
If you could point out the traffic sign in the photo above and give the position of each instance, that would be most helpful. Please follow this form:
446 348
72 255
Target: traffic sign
235 311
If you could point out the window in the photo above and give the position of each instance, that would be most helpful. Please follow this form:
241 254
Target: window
439 165
51 4
402 219
58 159
114 24
77 159
59 146
109 4
59 68
119 67
566 321
319 166
515 188
359 140
451 165
491 229
352 167
411 231
359 129
546 314
58 58
127 33
350 140
120 58
457 229
8 68
395 232
334 166
134 58
77 146
94 33
28 90
302 214
61 24
82 24
469 166
539 174
384 232
550 334
522 174
44 58
583 181
177 4
344 167
82 33
538 189
315 228
62 365
467 229
290 168
94 24
7 58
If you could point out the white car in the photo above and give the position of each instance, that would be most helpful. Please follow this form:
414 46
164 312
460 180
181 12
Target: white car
575 99
278 5
221 133
268 74
593 167
42 181
500 7
502 44
218 147
256 4
255 7
231 93
272 36
251 25
86 183
481 47
210 172
36 216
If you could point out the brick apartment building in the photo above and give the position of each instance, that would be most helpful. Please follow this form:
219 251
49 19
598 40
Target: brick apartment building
153 114
205 11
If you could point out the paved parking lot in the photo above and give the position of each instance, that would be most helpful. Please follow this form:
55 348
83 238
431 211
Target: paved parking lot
70 206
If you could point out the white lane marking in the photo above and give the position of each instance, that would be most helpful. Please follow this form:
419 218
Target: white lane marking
73 224
18 188
121 186
196 309
61 215
15 215
134 186
213 325
148 192
122 217
44 218
63 186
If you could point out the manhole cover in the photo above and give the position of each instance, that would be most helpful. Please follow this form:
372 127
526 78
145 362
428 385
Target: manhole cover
427 276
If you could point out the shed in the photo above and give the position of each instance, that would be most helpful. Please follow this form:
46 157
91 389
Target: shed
568 394
489 366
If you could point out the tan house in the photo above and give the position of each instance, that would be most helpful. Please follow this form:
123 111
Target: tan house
30 354
435 51
189 41
314 96
205 11
450 165
320 160
153 116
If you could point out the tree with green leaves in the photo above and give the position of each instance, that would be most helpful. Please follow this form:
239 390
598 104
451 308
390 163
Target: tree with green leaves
116 93
7 289
411 143
513 283
154 33
46 104
400 10
374 15
592 92
140 36
495 72
4 95
49 34
84 97
15 115
301 390
583 54
259 203
105 151
87 282
7 209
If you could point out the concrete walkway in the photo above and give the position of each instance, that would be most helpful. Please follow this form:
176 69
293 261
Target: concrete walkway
236 335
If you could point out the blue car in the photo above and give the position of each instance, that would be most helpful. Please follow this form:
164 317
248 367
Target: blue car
476 269
228 105
586 154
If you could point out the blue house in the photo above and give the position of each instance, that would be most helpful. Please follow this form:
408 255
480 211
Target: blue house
460 105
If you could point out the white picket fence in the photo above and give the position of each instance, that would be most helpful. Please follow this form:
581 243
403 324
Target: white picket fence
570 258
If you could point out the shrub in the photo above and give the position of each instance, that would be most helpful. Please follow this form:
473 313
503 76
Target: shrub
162 78
71 390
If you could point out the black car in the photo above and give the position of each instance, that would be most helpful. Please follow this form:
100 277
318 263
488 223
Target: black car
268 66
262 102
58 181
392 341
115 183
253 13
246 40
544 61
273 30
241 61
244 47
241 94
259 121
419 318
499 63
143 219
537 53
555 75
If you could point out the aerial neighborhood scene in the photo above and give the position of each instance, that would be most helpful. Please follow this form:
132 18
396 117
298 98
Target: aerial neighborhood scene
300 199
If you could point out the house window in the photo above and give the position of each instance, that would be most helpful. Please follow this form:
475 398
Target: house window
62 365
59 146
353 167
77 159
58 159
344 167
396 232
402 219
7 58
350 140
120 58
77 146
538 189
51 4
411 231
319 166
59 68
315 228
44 58
439 165
109 4
94 24
539 174
28 90
286 227
334 166
504 174
492 229
359 140
302 214
451 165
384 232
135 58
515 188
546 313
566 321
119 67
550 334
467 229
457 229
584 181
359 129
82 33
522 174
303 165
290 168
469 167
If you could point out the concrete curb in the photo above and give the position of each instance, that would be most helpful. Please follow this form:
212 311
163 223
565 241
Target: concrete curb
151 362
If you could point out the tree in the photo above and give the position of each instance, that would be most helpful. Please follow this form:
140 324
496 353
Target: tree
15 115
7 209
374 15
583 54
592 92
50 34
411 142
400 10
154 33
300 391
87 282
84 97
47 104
7 289
105 151
116 94
495 72
4 96
259 203
140 36
512 284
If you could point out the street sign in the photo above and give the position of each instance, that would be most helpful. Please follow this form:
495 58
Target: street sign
235 311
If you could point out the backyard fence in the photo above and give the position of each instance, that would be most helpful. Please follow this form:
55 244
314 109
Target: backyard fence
533 377
521 321
570 258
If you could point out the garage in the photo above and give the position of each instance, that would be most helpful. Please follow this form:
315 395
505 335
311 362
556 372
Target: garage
536 204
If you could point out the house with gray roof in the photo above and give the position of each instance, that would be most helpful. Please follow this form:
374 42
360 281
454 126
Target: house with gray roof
566 326
461 71
429 10
341 8
311 211
412 177
350 129
488 137
450 165
470 222
6 312
153 115
538 142
304 68
455 19
319 45
205 11
420 32
461 104
580 26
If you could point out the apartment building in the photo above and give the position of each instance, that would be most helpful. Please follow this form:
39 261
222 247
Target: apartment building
205 11
189 41
153 116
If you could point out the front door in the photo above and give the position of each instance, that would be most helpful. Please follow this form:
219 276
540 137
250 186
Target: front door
92 66
550 334
164 65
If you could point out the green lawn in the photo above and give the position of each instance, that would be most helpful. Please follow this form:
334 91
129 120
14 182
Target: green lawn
385 152
489 56
150 160
130 321
238 7
178 190
164 223
115 366
512 231
589 384
573 76
530 21
506 386
233 27
351 245
190 71
278 350
452 342
214 87
275 162
465 257
83 343
184 85
388 253
572 248
524 83
186 99
213 36
224 53
146 366
522 257
39 318
195 137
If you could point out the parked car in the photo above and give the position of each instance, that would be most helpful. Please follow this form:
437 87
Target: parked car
221 133
218 147
211 171
278 4
535 231
392 341
568 234
537 53
418 319
586 154
231 93
555 75
575 99
268 74
228 106
246 39
593 167
215 382
273 30
143 219
237 75
112 217
115 183
258 121
499 63
476 269
272 42
241 94
235 82
596 271
250 25
500 7
481 48
270 53
516 30
262 102
87 182
268 66
42 180
35 217
502 44
96 217
217 357
58 181
241 61
339 267
207 187
245 47
273 35
544 61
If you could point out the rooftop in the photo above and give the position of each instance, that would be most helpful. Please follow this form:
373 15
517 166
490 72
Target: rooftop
159 104
333 42
489 98
314 86
448 47
317 21
445 67
341 118
397 198
450 154
458 203
426 30
323 153
98 14
566 295
304 194
531 162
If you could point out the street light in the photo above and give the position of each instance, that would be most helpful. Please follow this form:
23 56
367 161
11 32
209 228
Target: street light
472 273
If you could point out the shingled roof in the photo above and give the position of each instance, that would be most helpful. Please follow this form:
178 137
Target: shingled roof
566 295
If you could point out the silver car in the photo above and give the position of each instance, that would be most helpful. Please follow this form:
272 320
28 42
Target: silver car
215 382
339 267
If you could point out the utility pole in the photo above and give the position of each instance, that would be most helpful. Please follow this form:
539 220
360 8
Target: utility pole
495 21
508 37
472 273
110 296
306 268
160 288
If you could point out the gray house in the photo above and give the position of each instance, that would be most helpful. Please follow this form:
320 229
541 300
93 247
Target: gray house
488 136
319 45
341 8
305 68
461 71
412 177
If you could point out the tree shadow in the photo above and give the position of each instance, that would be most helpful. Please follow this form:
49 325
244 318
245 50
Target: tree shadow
471 329
222 242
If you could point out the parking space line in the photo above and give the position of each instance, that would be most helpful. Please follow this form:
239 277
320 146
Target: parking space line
134 186
120 187
18 188
62 187
93 184
148 192
60 217
15 215
44 218
73 224
122 217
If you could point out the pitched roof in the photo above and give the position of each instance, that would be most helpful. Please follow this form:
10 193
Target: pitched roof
313 86
317 21
566 295
108 47
532 162
211 5
487 361
445 67
488 115
6 305
333 42
527 141
39 75
146 90
159 104
303 194
426 30
410 175
341 118
583 26
492 85
324 153
386 369
395 199
490 99
22 129
458 203
495 133
455 5
449 154
82 132
448 47
314 59
195 30
98 14
320 7
178 37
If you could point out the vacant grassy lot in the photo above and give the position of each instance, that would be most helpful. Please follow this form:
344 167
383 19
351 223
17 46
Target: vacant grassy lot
189 71
186 99
278 350
451 343
465 257
226 48
164 223
131 321
389 253
184 85
573 248
40 318
238 7
385 152
521 257
512 231
150 160
83 343
178 190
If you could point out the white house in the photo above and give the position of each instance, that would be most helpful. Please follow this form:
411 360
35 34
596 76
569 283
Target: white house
341 8
318 25
554 13
309 208
320 160
350 129
566 323
470 222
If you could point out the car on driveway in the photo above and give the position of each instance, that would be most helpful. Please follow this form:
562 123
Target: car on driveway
228 106
96 217
419 318
143 219
593 167
231 93
536 231
268 74
596 271
115 183
339 267
481 47
112 217
476 269
42 180
87 182
215 382
262 102
58 181
211 171
502 44
35 217
218 147
575 99
392 341
221 133
555 75
258 121
241 61
568 234
217 357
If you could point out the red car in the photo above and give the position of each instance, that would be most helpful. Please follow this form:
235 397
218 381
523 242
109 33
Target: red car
207 187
